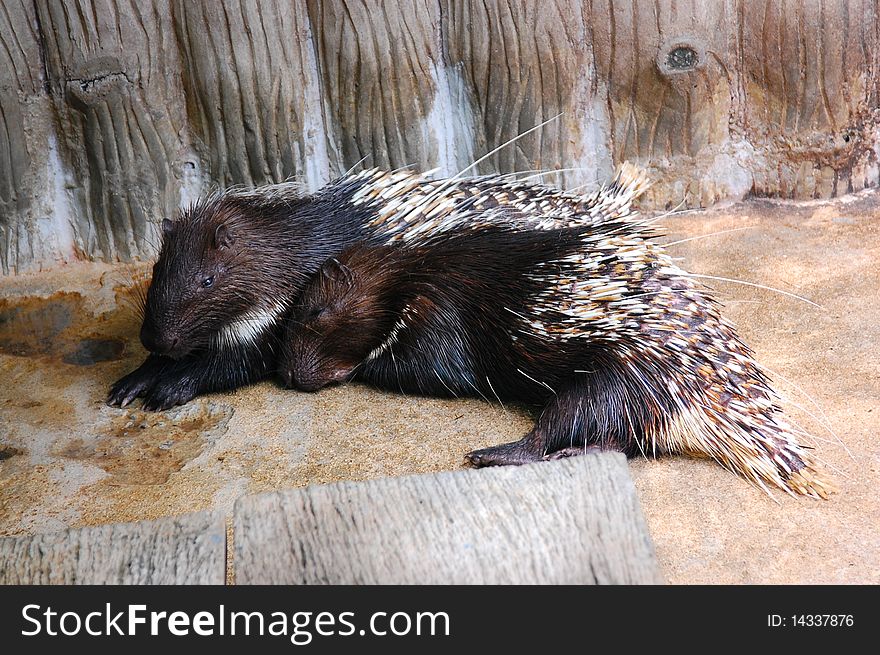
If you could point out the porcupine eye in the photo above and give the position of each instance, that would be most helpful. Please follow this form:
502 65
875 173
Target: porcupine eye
315 312
208 282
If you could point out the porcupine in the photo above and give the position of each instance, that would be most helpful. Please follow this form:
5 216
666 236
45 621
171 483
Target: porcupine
594 324
229 266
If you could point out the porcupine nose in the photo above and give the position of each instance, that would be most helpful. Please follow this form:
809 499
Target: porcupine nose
161 344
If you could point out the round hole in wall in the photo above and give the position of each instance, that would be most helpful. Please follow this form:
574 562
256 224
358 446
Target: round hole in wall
682 54
682 58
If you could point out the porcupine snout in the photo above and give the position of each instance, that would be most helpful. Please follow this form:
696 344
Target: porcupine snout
161 342
305 372
313 382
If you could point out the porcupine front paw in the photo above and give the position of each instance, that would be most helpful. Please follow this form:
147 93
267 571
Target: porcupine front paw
161 386
137 383
508 454
170 393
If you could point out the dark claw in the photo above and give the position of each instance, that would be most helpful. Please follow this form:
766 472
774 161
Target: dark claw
504 455
481 458
161 387
573 451
128 388
521 452
137 383
161 398
155 404
475 459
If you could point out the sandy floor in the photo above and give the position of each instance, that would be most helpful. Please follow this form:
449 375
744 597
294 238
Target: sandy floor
66 459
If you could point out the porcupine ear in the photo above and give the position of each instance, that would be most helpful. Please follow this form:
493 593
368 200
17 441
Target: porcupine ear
223 237
335 270
167 227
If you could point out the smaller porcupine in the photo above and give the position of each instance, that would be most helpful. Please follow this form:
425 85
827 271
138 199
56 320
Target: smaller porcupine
593 323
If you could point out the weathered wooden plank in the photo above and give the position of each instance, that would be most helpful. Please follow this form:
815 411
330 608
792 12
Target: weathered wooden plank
385 83
524 62
253 93
575 521
26 153
114 73
809 92
188 549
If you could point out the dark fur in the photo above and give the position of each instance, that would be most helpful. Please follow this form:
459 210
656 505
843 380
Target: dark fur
254 248
463 289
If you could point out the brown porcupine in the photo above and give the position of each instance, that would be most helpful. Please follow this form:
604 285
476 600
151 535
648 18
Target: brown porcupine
231 265
595 324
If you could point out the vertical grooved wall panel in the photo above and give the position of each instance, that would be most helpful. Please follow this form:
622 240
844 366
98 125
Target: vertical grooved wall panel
115 113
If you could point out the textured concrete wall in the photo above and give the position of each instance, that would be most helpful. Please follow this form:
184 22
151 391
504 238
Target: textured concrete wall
113 113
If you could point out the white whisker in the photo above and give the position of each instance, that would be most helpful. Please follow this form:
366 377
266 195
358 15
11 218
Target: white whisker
706 236
753 284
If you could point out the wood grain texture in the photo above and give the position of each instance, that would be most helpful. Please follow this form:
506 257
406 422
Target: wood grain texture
113 73
114 113
575 521
674 121
523 63
381 67
187 549
24 112
810 95
252 91
781 102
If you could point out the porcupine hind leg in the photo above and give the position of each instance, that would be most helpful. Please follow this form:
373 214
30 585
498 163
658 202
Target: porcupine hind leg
586 416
